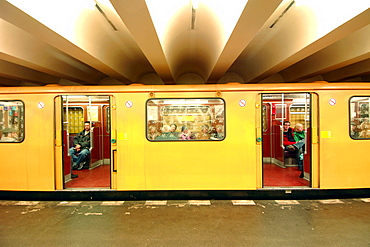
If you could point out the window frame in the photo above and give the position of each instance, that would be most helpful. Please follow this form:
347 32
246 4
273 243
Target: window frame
21 120
352 117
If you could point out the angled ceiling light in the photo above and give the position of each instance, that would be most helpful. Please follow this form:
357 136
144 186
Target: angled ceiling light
194 7
106 17
282 14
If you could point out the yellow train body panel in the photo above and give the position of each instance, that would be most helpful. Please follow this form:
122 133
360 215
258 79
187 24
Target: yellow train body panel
343 160
235 163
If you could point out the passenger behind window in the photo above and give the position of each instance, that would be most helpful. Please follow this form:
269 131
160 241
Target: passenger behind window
152 133
9 135
204 135
173 128
166 134
354 131
218 135
185 133
365 129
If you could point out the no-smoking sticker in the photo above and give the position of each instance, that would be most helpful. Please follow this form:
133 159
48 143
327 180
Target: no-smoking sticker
40 105
332 101
129 104
242 102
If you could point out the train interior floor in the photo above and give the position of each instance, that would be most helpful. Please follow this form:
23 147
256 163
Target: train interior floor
334 222
98 177
273 175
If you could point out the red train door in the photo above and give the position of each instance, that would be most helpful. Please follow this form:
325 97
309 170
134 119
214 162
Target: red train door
286 164
75 111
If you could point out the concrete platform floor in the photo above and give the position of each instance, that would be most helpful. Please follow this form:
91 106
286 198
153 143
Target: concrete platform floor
344 222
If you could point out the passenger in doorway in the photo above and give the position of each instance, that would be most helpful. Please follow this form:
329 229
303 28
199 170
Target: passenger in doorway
81 149
299 135
166 134
298 132
291 144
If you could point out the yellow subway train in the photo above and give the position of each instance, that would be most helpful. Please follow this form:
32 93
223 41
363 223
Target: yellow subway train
162 141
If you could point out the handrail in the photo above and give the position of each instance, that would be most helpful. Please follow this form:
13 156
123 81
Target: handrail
91 138
282 137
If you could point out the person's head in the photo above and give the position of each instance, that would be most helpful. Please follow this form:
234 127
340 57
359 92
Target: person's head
6 131
166 128
205 128
286 125
87 126
152 129
184 129
14 134
10 132
173 127
298 127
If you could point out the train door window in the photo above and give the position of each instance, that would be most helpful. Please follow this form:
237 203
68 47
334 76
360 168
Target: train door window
359 117
11 121
280 111
95 170
75 117
186 119
281 166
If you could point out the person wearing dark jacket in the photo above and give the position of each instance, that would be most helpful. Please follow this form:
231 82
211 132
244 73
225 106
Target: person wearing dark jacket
81 149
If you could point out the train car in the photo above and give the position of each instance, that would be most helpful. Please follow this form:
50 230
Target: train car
218 141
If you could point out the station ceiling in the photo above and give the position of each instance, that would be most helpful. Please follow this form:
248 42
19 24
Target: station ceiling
102 42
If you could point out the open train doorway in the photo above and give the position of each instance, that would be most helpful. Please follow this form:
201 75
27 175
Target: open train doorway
286 140
86 141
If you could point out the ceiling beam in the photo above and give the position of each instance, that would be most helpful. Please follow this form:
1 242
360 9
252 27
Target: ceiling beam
252 19
136 17
94 57
332 57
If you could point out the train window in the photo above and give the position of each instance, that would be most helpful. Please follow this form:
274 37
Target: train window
359 117
11 121
75 119
185 119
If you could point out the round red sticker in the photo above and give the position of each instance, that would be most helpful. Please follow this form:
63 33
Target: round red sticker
40 105
129 104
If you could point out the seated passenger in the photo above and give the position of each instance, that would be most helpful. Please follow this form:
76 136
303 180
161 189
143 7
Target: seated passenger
81 149
185 133
298 132
173 128
354 131
9 135
166 134
291 144
299 135
204 135
153 133
219 135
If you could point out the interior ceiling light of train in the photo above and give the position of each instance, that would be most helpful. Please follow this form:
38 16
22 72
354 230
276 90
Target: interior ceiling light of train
120 42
